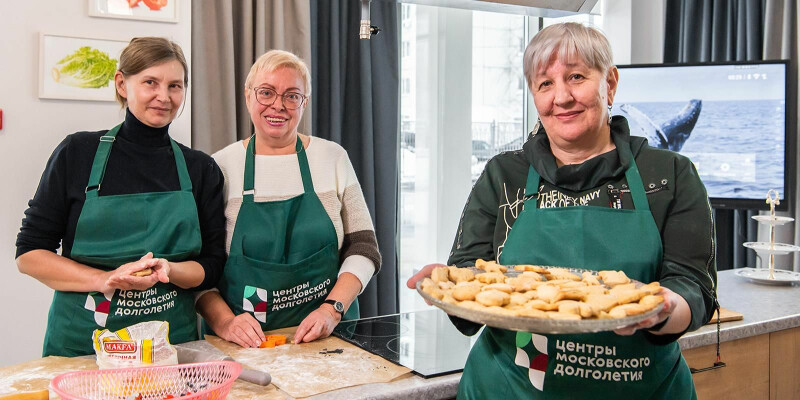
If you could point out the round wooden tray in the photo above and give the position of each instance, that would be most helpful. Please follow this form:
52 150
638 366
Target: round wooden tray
537 325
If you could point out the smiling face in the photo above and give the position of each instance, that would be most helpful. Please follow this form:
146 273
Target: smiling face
572 101
276 123
155 94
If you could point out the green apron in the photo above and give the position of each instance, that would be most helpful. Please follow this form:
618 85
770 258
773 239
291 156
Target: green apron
521 365
114 230
284 255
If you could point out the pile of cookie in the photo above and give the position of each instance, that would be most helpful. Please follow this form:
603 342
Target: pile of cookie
542 292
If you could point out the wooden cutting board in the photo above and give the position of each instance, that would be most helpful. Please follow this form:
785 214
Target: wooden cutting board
33 376
303 370
727 315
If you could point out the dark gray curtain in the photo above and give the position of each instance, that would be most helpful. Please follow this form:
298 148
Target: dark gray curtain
356 104
719 30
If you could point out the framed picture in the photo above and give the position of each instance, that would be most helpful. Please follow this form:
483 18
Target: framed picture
78 68
146 10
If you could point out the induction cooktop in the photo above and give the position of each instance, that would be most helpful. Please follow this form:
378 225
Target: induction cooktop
424 341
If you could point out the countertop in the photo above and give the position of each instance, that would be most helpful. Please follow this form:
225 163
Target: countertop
766 309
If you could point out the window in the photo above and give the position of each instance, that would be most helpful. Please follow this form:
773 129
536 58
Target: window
463 100
461 103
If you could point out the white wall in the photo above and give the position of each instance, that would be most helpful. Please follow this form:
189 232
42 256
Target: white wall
635 29
31 130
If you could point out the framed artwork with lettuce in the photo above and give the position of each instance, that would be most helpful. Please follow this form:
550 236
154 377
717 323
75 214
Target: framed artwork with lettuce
147 10
76 68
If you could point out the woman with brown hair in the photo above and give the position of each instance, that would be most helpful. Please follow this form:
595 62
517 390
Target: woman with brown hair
139 217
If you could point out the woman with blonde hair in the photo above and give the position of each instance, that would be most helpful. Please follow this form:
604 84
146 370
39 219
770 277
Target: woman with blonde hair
301 245
138 216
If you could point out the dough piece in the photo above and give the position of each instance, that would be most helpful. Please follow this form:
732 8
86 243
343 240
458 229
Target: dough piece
628 296
589 278
427 283
461 274
493 298
434 291
569 284
440 274
629 309
523 283
533 275
623 287
481 264
530 312
446 285
449 299
588 310
465 292
518 299
144 272
562 316
561 273
542 305
650 301
651 288
603 302
534 268
549 293
575 293
530 294
490 277
613 278
569 307
503 287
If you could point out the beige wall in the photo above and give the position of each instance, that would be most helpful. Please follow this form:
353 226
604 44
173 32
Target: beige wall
33 127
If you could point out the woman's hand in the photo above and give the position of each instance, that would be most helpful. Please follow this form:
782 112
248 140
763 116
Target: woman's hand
319 324
122 278
675 308
242 329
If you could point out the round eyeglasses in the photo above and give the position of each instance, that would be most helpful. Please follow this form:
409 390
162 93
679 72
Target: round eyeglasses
290 100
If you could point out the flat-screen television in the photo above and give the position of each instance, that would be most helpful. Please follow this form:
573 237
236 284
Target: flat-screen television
733 120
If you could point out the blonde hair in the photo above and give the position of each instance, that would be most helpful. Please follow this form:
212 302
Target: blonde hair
145 52
275 59
566 41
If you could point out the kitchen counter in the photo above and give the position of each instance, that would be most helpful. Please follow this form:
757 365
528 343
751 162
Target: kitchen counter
766 309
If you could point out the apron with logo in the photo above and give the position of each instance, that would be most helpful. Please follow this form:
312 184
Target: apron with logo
115 230
604 365
284 255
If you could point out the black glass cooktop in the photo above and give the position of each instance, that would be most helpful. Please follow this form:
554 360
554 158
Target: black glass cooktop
424 341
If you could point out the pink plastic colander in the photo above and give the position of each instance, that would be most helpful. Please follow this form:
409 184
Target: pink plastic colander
206 381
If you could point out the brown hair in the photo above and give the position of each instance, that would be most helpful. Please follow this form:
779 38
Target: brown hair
145 52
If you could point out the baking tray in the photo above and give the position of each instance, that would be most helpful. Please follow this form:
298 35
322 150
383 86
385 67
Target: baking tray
537 325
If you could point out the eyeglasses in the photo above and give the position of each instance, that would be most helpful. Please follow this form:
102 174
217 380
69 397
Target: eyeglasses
290 100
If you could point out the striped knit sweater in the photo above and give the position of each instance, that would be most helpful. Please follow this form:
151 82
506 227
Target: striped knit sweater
277 177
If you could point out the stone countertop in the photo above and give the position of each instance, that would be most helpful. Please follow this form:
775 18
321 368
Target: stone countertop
765 308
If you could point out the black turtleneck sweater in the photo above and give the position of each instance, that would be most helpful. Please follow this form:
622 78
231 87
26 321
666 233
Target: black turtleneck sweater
141 161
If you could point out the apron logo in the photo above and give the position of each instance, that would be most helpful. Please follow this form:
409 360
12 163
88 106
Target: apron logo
100 304
537 363
255 301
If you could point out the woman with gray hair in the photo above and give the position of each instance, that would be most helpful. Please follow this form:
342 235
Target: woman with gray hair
583 193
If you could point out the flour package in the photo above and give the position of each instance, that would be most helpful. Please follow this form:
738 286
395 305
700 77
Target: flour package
143 344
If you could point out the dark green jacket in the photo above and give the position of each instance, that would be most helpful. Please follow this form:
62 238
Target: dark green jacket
677 198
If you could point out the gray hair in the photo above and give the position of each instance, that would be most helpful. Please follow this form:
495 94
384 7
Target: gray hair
566 41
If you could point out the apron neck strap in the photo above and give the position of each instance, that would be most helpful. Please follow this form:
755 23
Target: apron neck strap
249 169
101 160
631 174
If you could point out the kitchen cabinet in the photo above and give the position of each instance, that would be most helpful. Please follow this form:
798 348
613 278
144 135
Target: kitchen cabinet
765 366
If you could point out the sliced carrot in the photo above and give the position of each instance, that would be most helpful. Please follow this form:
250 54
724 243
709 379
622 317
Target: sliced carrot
272 341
